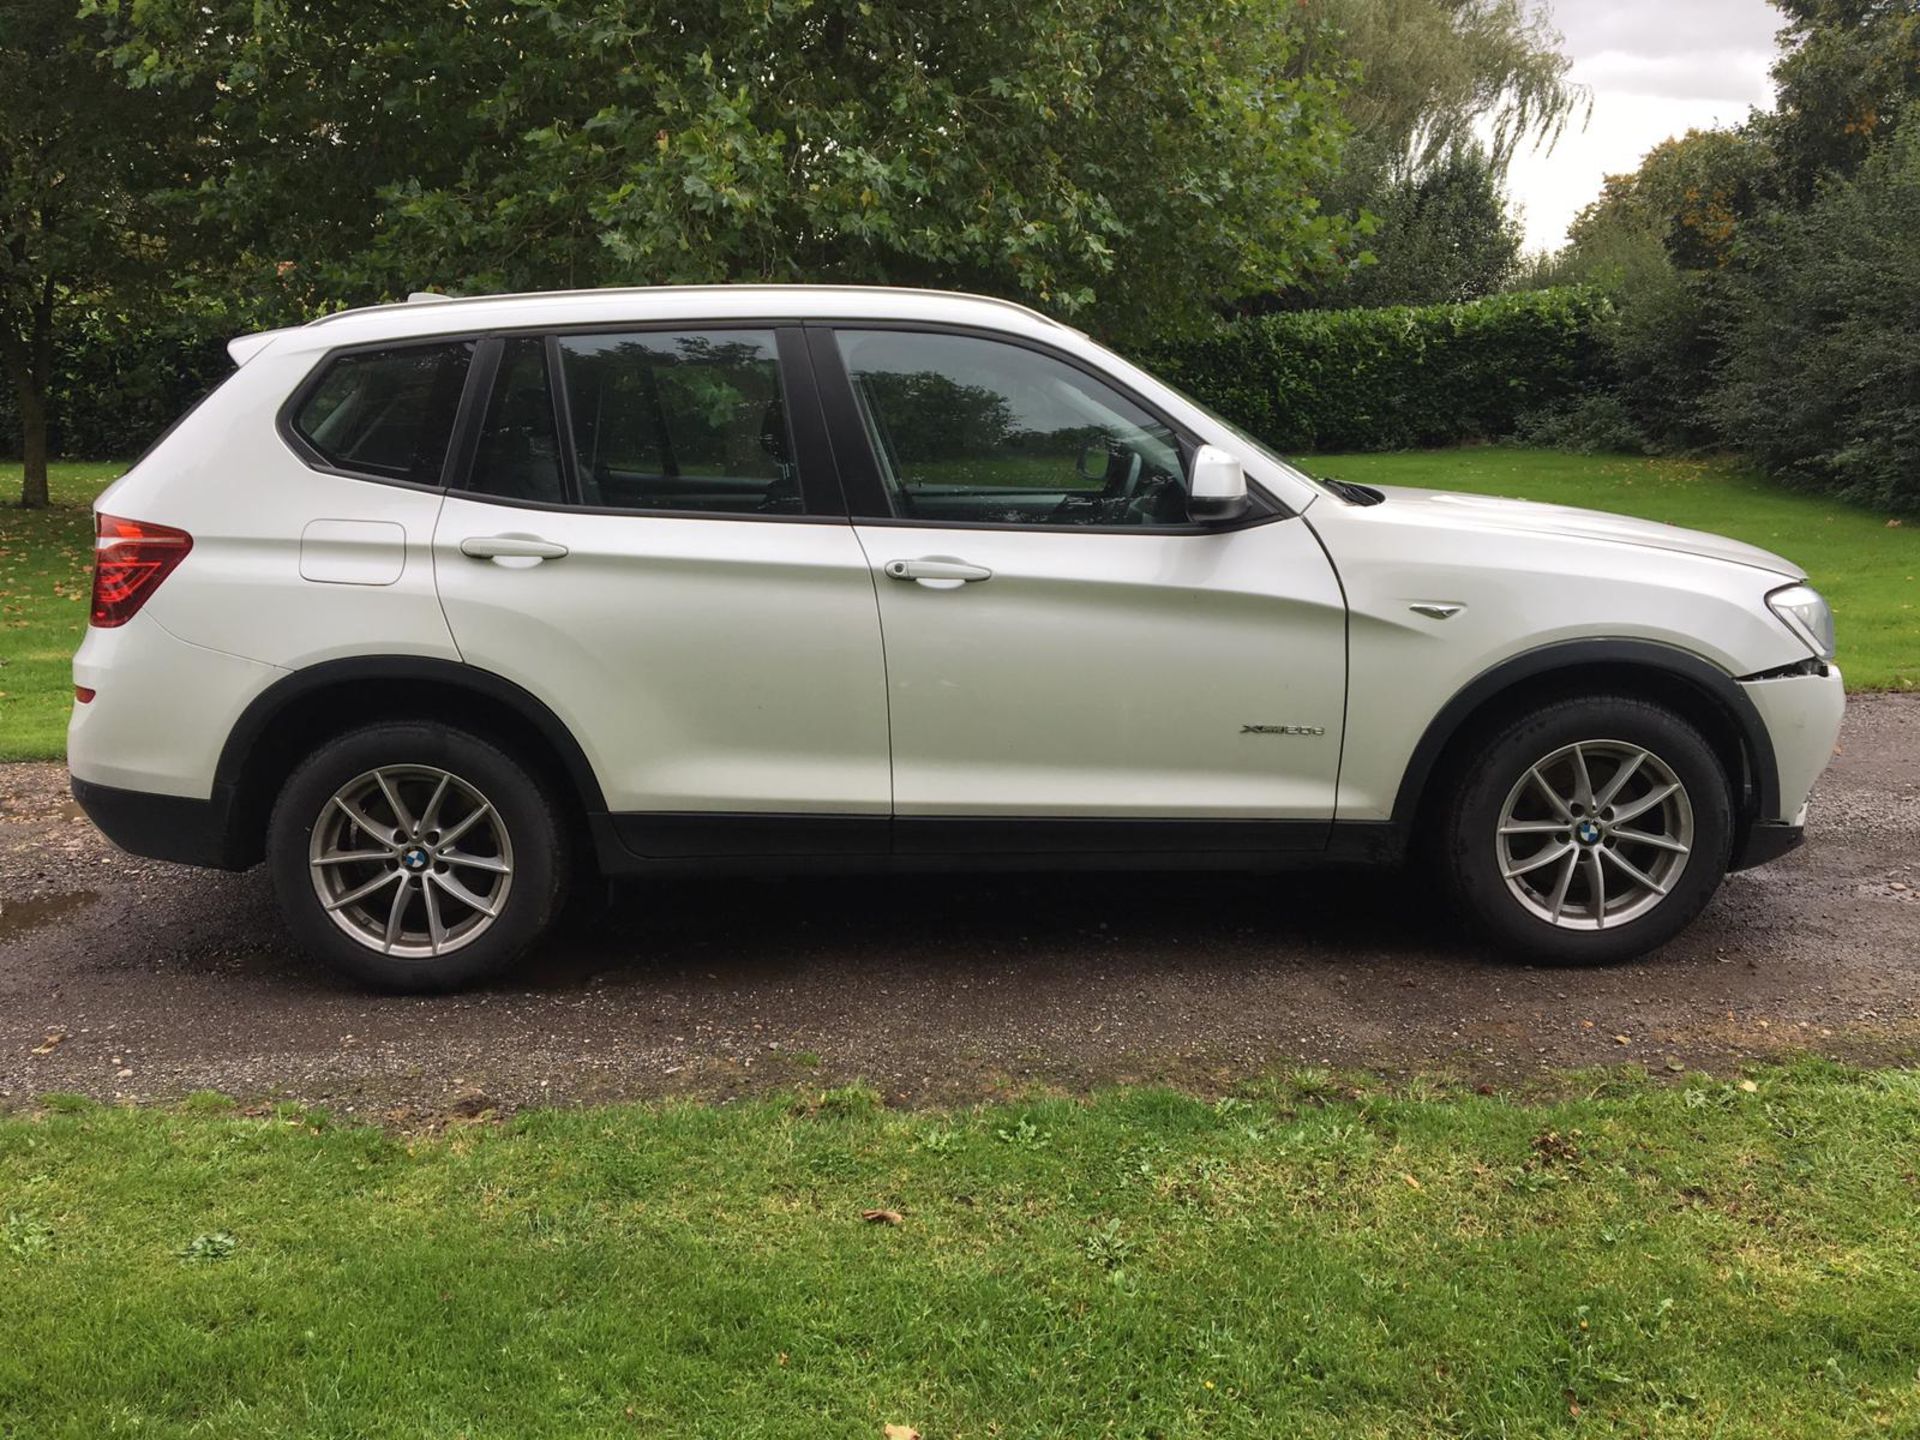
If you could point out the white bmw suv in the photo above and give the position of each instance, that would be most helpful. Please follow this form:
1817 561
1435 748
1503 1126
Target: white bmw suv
432 605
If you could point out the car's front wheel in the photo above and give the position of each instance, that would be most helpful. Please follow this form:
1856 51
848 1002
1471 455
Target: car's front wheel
415 857
1588 830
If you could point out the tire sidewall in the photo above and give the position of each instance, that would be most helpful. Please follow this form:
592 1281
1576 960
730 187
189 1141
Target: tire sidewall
524 809
1471 848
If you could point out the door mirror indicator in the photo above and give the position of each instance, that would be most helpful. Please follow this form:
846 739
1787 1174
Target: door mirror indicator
1216 486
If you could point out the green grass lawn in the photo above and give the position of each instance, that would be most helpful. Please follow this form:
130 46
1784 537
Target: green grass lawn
46 560
1695 1258
1869 570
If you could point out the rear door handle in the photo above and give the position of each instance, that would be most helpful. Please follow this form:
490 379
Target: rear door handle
511 547
945 573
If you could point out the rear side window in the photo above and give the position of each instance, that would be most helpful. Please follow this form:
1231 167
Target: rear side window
688 420
518 457
387 413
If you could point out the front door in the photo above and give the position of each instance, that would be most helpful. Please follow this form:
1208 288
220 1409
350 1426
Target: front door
1061 643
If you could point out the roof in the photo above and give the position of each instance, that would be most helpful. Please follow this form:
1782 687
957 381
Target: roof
447 315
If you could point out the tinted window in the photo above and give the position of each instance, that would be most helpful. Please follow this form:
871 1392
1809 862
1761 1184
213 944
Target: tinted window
387 412
690 420
518 457
966 429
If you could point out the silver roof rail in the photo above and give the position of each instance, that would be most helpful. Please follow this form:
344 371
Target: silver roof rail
426 296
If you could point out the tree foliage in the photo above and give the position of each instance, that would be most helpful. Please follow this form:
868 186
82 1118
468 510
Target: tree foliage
1689 195
1432 83
1767 275
85 173
1441 235
1430 74
1849 71
1129 164
1822 380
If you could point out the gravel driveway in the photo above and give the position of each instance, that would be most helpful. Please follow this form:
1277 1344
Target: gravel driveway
125 978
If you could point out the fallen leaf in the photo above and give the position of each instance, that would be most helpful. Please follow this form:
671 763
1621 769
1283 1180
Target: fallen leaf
1674 1062
1748 1086
1412 1183
55 1038
882 1217
901 1432
1623 1039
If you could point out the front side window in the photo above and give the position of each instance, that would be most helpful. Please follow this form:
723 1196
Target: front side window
687 420
387 413
969 430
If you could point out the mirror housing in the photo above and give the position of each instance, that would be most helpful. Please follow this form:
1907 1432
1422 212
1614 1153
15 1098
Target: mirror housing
1095 462
1216 486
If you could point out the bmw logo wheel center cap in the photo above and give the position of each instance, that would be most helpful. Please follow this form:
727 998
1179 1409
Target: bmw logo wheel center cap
1587 833
415 858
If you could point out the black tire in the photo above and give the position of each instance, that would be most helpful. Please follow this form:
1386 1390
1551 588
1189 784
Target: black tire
526 816
1470 819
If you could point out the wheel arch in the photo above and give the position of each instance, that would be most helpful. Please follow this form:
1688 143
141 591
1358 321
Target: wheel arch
1699 690
285 722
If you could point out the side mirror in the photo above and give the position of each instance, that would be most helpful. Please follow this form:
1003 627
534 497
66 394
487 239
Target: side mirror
1217 486
1096 461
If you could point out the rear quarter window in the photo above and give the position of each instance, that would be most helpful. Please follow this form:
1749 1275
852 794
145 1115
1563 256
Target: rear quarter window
386 413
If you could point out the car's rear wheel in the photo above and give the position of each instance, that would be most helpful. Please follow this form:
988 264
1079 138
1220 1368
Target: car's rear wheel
415 857
1588 830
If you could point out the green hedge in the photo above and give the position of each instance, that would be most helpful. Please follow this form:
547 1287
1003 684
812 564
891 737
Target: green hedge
1397 378
119 382
1388 379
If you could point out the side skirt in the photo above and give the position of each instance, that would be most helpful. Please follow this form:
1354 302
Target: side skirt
655 844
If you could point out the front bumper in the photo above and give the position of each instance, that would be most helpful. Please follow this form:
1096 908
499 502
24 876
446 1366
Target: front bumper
1764 841
1802 714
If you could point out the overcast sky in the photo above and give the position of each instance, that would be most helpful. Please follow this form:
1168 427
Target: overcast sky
1656 68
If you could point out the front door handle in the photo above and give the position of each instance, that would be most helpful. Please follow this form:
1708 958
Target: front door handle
938 571
511 547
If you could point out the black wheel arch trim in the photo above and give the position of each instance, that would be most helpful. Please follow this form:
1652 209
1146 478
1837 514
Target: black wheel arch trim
1709 679
329 674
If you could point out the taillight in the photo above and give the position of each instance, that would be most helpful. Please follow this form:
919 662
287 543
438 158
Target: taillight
130 559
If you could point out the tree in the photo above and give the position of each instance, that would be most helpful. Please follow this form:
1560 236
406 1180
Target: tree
1442 235
1431 73
1848 72
1440 94
1665 242
1688 198
1822 380
82 163
1132 165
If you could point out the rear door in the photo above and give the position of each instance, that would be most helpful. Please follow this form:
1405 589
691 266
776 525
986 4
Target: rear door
650 540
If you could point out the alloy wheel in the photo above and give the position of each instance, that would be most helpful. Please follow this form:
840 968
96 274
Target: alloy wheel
1595 834
411 861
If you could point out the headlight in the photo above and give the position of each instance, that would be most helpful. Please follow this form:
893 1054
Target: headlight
1808 615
